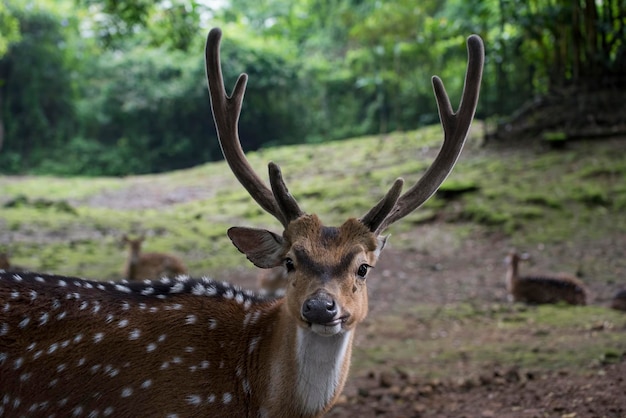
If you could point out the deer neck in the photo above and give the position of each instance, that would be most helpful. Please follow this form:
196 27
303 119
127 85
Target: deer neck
511 275
312 368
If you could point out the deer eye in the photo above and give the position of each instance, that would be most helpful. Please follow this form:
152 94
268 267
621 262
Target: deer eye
289 265
363 269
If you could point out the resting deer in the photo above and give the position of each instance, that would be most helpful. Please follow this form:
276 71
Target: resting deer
538 289
186 347
141 266
273 281
619 300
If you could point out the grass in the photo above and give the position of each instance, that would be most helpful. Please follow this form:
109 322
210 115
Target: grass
523 193
573 197
465 341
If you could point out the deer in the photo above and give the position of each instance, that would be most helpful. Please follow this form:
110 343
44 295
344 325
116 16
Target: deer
272 281
7 265
141 266
618 301
542 288
183 347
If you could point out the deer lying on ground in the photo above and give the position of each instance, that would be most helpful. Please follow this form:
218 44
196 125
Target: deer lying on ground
197 347
142 266
273 281
619 300
538 289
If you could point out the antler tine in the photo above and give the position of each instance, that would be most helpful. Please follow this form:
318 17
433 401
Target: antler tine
286 203
455 126
226 110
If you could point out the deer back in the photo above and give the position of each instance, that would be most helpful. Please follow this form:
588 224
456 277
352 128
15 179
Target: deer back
184 347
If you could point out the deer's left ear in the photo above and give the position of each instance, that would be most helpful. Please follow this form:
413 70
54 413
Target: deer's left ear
262 247
380 244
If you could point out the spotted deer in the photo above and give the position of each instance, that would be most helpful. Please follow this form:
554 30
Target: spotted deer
197 347
149 265
618 301
273 281
543 288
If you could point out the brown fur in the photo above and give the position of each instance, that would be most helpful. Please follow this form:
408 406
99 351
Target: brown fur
619 300
539 289
70 346
142 266
272 281
6 265
191 348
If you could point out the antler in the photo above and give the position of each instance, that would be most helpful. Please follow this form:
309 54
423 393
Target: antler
455 126
226 110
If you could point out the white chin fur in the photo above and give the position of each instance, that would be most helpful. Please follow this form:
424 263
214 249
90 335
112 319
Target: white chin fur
326 330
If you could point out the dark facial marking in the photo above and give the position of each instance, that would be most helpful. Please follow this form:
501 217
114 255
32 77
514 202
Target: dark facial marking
322 270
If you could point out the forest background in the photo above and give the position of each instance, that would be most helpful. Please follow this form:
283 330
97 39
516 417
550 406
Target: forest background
117 87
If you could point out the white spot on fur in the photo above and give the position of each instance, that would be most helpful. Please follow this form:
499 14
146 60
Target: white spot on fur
146 384
134 334
227 398
43 318
24 322
190 319
122 288
18 363
253 343
122 323
147 291
98 337
194 400
126 392
151 347
177 287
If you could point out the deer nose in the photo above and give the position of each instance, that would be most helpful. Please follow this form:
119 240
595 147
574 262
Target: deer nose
319 309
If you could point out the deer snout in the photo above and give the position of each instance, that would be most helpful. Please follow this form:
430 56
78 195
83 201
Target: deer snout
320 308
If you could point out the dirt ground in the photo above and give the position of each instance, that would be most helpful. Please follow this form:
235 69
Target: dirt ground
473 270
433 267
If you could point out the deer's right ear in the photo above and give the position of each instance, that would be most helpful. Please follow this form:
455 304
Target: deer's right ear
262 247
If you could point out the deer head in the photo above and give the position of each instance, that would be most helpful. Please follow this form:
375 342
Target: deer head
327 266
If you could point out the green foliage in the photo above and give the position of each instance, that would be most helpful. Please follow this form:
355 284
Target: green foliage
37 105
123 81
9 29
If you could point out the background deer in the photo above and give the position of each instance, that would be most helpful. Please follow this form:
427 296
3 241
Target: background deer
273 281
619 300
542 288
185 347
141 266
6 265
